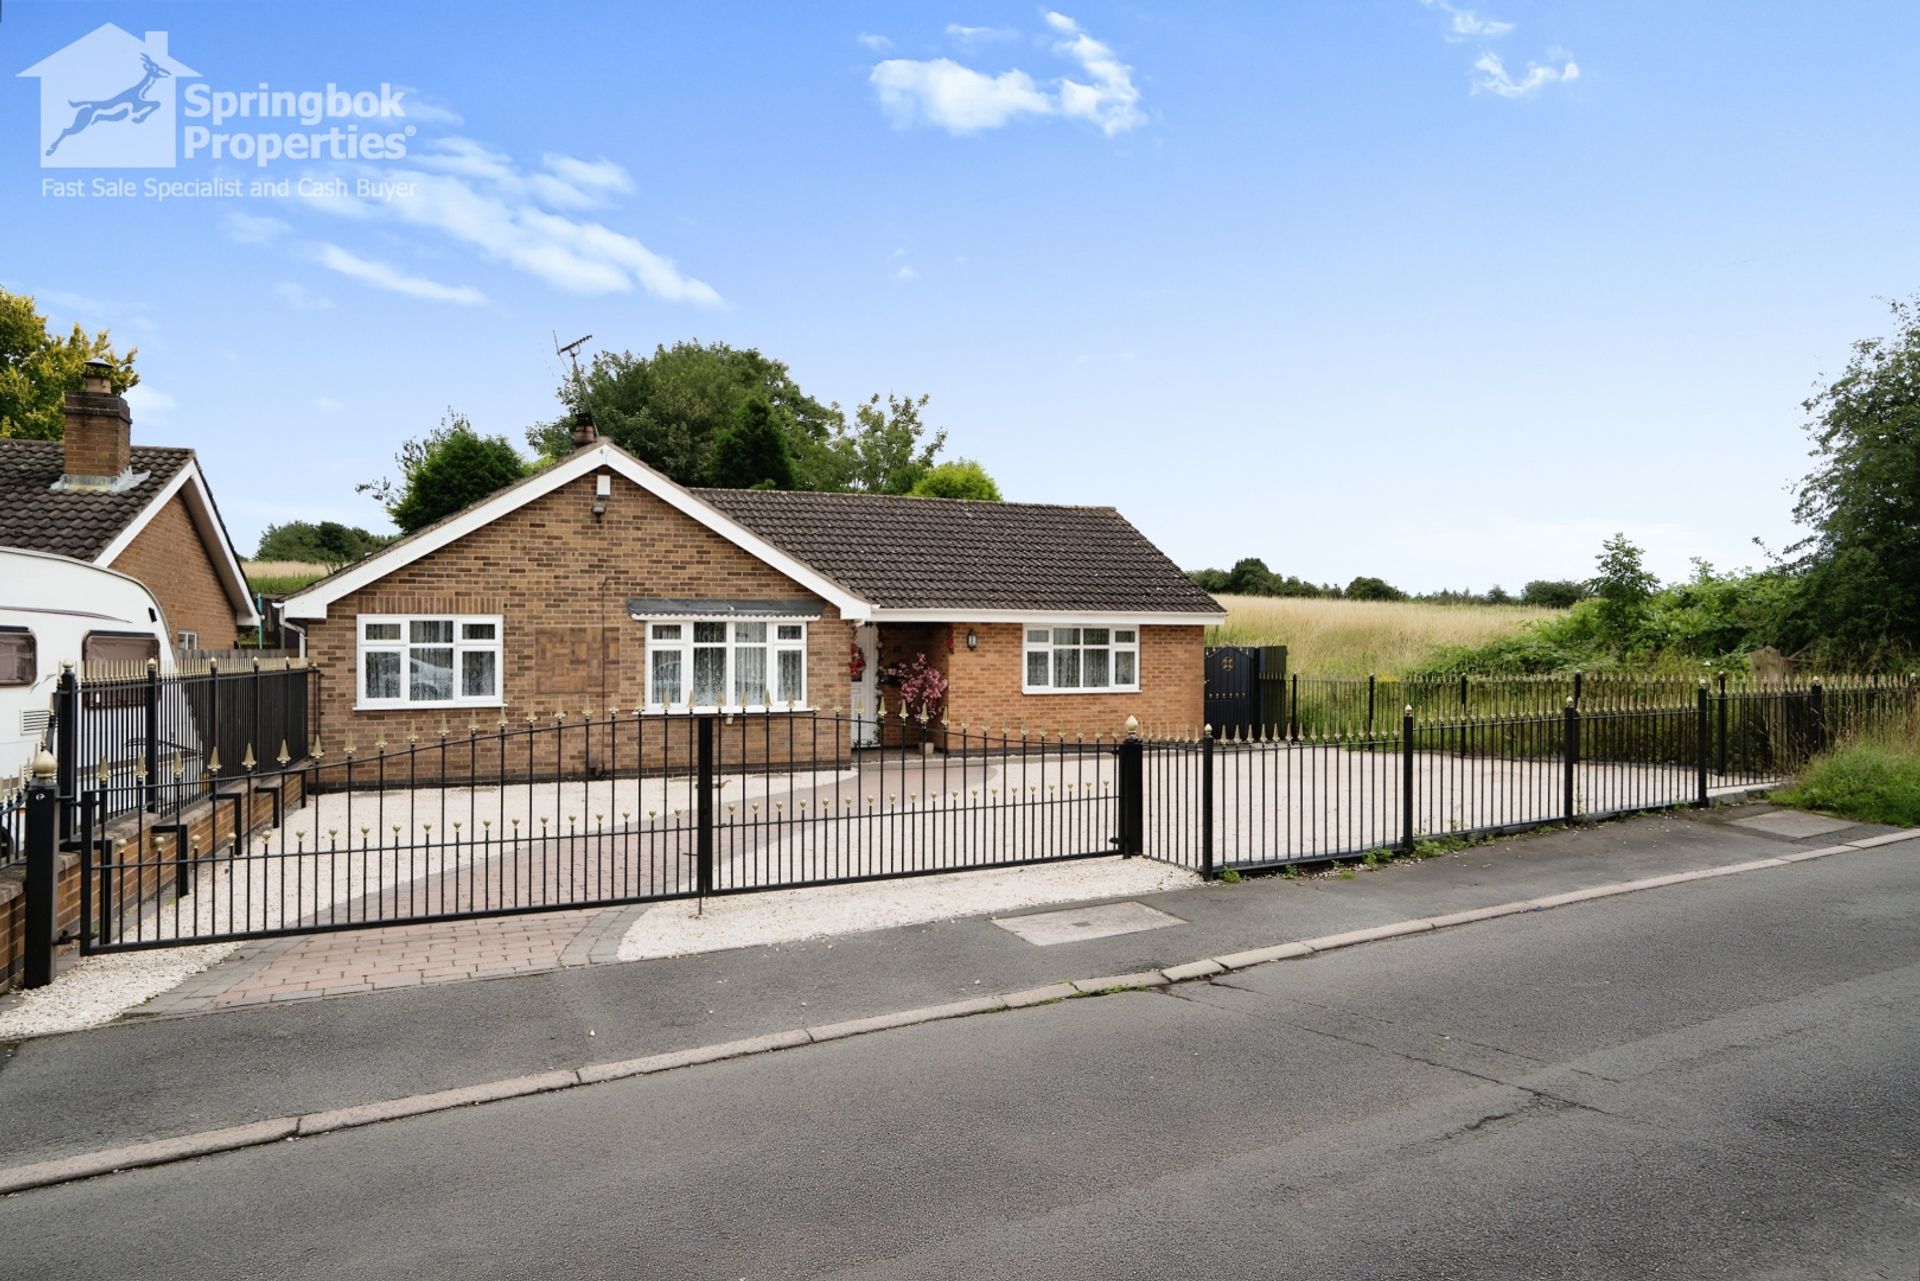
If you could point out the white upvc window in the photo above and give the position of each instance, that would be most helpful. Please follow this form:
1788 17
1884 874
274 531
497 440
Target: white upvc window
722 664
1082 659
429 660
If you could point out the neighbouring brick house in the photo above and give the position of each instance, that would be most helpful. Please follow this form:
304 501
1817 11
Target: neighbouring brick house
598 584
145 511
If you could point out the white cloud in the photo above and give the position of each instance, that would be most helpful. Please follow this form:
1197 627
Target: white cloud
980 35
480 199
327 405
903 273
1465 24
1111 101
382 276
301 298
252 229
879 44
420 109
943 93
949 95
1492 77
150 405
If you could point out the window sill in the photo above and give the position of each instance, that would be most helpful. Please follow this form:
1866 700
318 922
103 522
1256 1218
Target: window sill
656 709
458 705
1104 689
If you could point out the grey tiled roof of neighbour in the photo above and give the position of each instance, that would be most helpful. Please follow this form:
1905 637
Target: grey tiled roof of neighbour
938 553
35 516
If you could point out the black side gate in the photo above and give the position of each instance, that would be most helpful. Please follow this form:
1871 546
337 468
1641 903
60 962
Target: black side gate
1233 676
1246 688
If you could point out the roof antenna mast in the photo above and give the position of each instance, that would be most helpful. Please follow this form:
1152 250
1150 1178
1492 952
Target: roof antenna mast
583 429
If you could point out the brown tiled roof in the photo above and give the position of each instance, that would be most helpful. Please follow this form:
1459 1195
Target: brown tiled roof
938 553
36 516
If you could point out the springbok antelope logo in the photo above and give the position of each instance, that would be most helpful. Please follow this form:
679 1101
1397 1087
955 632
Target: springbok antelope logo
114 78
131 105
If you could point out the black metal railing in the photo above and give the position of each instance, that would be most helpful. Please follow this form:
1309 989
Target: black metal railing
555 814
147 740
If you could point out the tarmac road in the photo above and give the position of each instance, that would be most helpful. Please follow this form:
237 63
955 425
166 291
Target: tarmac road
1716 1079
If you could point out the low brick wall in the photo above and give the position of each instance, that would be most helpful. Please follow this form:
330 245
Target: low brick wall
144 845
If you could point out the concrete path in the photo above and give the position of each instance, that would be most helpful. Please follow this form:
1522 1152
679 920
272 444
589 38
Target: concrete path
164 1076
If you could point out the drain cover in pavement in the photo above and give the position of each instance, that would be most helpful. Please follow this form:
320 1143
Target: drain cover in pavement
1044 929
1792 823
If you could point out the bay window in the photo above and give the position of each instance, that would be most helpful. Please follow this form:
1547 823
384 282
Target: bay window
429 661
1061 660
709 664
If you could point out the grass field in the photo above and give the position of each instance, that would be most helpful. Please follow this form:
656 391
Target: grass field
1359 637
277 576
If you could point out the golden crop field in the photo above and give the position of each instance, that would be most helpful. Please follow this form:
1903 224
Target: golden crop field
1358 637
278 576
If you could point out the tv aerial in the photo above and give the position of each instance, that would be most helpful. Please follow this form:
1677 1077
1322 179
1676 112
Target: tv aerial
572 353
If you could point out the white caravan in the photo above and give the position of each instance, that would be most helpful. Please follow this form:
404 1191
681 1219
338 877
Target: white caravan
55 610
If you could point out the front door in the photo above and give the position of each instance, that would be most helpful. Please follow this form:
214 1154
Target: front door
866 690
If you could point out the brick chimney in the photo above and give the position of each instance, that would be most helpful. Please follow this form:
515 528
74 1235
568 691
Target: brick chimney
99 448
584 432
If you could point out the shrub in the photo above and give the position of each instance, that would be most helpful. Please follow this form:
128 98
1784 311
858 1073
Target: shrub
1869 780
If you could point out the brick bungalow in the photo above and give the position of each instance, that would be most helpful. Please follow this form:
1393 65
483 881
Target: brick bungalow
598 584
145 511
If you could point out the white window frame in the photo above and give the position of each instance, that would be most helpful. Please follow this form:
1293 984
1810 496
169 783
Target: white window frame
460 645
684 645
1030 646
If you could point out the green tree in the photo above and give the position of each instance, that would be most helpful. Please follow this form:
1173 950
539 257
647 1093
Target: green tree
328 542
669 409
1367 587
1860 563
37 370
1622 587
1209 580
444 471
752 452
1555 593
961 478
1250 577
889 447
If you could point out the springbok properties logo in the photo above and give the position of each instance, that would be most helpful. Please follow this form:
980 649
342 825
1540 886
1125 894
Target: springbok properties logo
109 101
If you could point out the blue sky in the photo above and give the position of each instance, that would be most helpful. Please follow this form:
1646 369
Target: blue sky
1440 294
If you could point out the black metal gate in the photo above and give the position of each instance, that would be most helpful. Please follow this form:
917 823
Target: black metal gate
1246 688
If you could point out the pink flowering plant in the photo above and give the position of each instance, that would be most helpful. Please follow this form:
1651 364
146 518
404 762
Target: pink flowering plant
923 689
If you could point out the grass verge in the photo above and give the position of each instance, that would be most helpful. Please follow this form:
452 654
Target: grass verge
1362 637
1868 780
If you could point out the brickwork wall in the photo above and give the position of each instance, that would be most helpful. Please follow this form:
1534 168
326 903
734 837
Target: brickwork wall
170 558
98 435
561 580
987 686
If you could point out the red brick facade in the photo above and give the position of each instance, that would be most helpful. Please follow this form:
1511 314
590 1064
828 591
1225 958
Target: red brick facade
170 558
985 682
560 580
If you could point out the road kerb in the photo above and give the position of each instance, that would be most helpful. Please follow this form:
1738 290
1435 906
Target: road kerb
439 1101
185 1147
1040 996
1263 955
907 1018
1473 914
1374 934
595 1073
1120 983
1885 838
1802 856
1193 970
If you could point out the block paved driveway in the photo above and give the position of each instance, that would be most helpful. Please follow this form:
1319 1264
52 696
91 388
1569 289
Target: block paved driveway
349 962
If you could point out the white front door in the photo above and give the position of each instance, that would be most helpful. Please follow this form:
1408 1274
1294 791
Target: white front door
866 690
